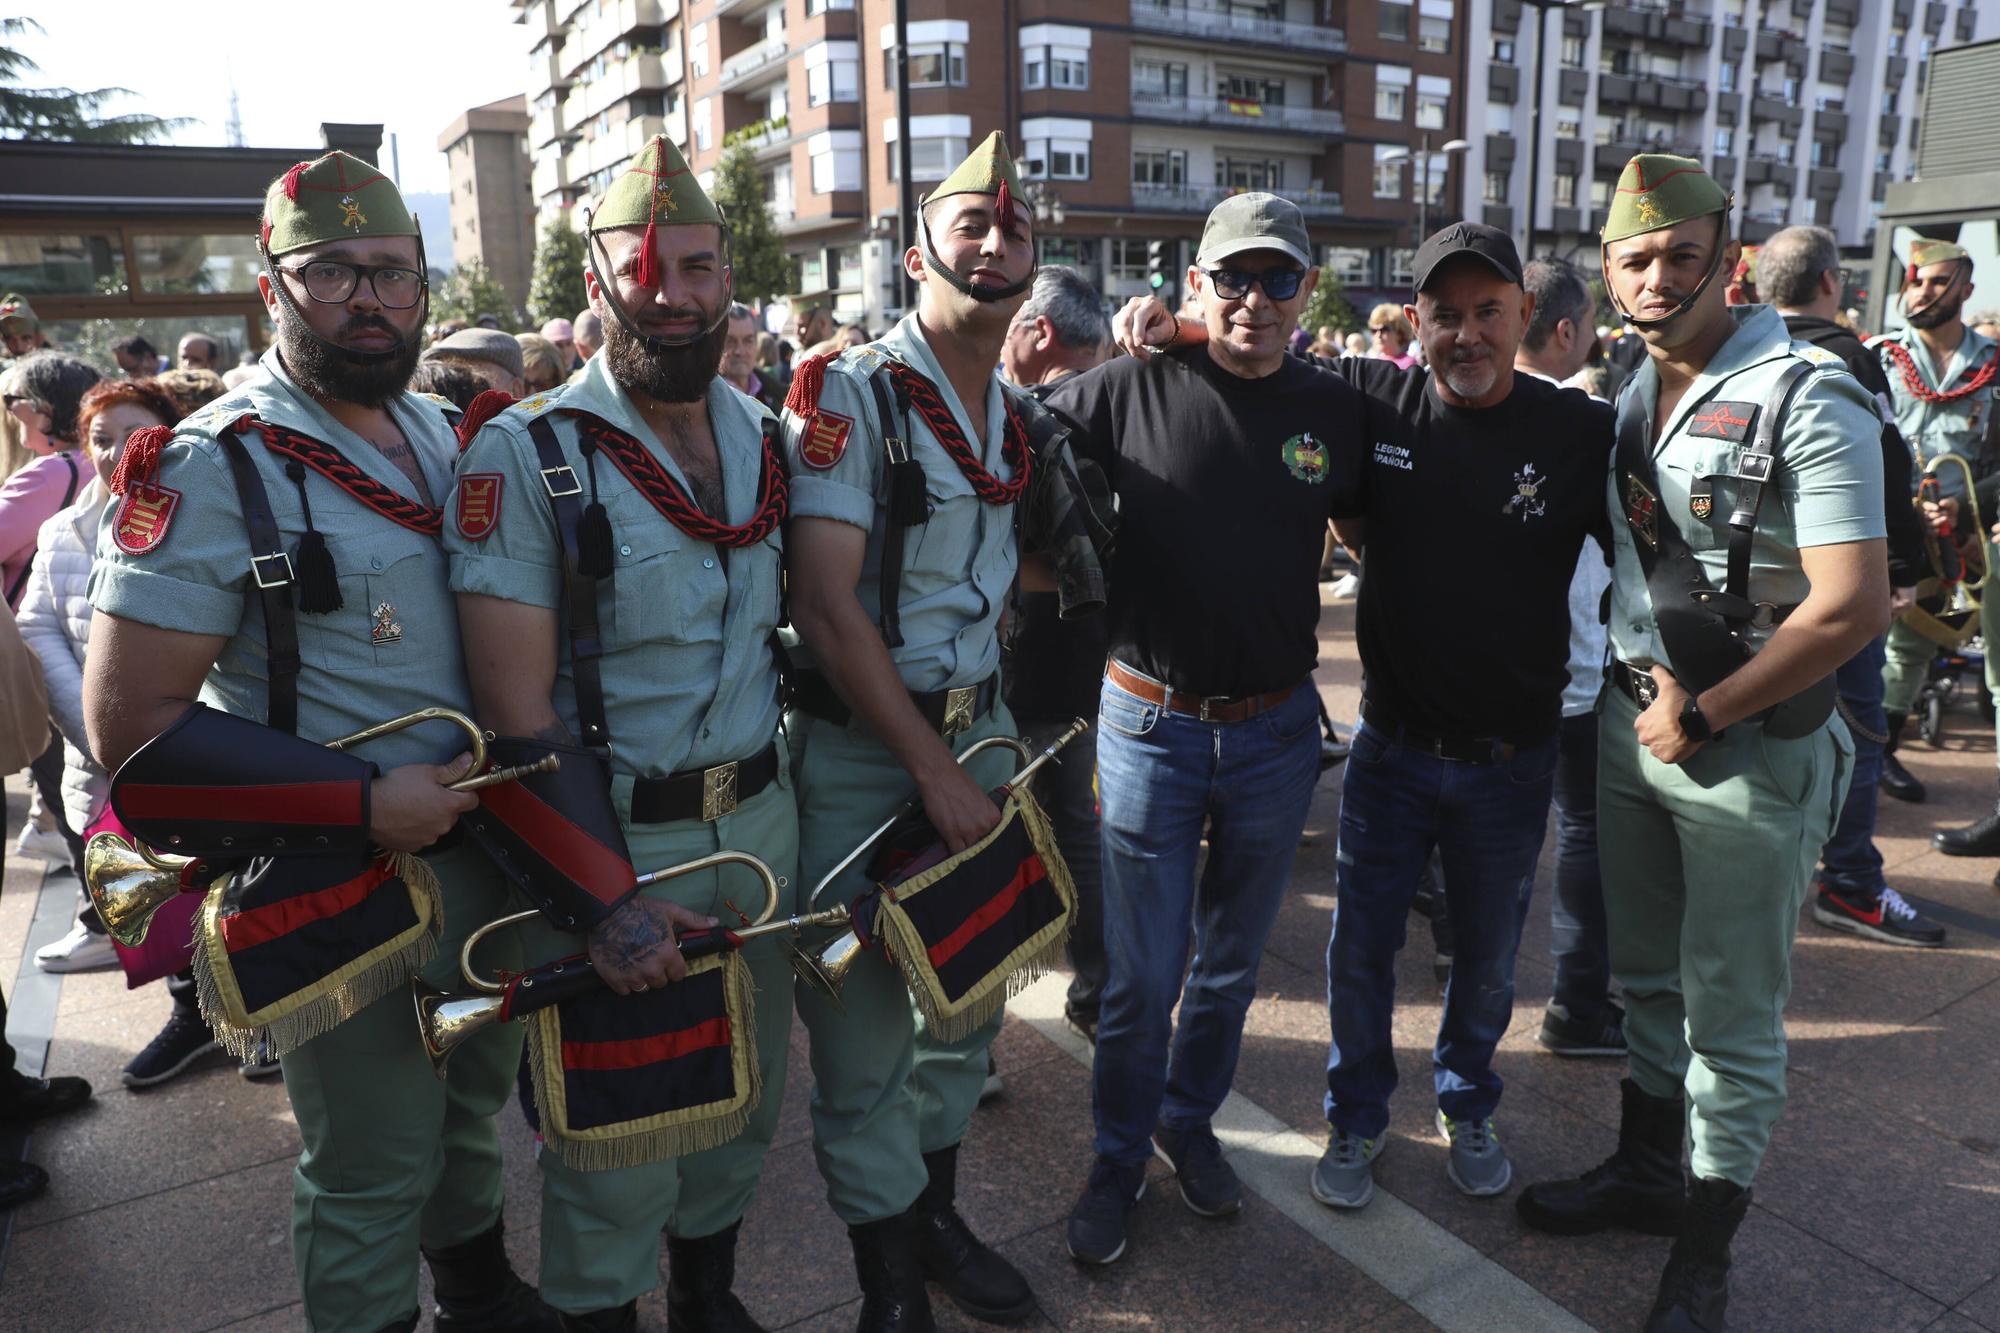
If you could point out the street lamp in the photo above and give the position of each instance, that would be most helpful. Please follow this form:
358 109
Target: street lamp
1424 198
1541 8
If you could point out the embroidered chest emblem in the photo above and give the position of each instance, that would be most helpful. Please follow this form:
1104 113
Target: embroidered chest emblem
351 215
1305 458
385 628
1527 501
1642 512
1723 421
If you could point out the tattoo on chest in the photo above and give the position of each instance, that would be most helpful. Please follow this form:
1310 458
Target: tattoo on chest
404 457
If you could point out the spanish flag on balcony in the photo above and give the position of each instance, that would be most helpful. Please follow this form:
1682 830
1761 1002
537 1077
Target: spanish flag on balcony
1243 106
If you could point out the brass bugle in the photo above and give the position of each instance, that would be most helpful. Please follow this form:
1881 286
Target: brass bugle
445 1019
129 881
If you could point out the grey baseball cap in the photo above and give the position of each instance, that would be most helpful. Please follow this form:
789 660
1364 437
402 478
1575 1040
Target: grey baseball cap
488 345
1254 221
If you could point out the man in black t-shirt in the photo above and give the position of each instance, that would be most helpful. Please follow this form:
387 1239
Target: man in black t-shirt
1228 461
1476 470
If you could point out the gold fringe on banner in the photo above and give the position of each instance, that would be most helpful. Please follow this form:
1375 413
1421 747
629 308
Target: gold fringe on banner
949 1020
320 1007
653 1138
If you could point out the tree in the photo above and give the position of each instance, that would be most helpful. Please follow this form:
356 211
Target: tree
470 291
1329 305
64 113
763 269
556 290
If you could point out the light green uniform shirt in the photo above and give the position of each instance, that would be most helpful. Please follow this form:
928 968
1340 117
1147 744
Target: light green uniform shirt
1958 427
1827 488
958 565
392 648
689 680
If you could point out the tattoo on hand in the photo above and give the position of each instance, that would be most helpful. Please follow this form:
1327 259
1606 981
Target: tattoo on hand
630 933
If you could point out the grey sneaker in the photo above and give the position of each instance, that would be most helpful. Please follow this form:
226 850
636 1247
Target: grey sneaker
1479 1165
1343 1179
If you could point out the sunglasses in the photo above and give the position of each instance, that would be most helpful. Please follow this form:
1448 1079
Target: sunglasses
1233 284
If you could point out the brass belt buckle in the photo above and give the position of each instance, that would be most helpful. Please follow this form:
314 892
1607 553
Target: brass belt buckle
958 706
1644 686
718 791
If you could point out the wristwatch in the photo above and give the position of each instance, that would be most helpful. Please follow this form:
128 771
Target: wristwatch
1694 724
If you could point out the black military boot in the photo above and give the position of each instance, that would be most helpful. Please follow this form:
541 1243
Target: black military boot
618 1319
1978 839
977 1279
893 1298
700 1275
1896 780
479 1292
1638 1187
1694 1288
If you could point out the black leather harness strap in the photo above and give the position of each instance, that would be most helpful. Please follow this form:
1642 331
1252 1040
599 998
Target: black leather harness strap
586 642
271 579
896 451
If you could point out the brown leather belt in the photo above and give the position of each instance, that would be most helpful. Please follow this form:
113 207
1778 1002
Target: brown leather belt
1209 708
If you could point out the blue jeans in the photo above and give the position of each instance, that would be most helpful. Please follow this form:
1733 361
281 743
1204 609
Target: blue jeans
1164 780
1486 820
1576 906
1849 859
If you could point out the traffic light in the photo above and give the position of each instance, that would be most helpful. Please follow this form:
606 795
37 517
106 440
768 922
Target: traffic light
1158 257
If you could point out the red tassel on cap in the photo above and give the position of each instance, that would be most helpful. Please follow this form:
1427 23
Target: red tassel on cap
489 404
646 271
1004 205
808 378
141 459
291 182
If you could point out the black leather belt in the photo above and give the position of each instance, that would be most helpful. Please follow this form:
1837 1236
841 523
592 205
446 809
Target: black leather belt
703 793
948 711
1632 682
1459 749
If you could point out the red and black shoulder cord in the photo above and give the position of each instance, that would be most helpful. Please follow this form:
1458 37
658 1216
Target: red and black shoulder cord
1913 379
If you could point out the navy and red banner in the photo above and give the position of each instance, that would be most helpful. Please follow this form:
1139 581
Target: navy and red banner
556 835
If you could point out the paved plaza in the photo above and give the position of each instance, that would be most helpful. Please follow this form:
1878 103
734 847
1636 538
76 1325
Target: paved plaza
1877 1208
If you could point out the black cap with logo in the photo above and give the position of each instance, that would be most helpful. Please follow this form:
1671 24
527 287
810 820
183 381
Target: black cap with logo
1489 244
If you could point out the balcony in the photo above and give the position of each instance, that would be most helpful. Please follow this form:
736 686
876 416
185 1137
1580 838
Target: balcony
1893 70
544 127
1934 18
1830 123
1771 108
1724 170
1506 15
754 61
1901 12
546 178
1202 198
1762 170
1500 152
1735 41
1236 112
1665 94
537 17
1835 65
1572 85
1610 158
1503 83
1823 183
1499 217
768 139
632 75
1207 22
1891 128
1728 107
1844 12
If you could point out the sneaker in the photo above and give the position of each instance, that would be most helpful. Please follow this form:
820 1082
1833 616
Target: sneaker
994 1085
1343 1178
1886 916
185 1039
1564 1035
263 1067
82 950
1097 1223
1479 1165
1348 585
1208 1183
44 844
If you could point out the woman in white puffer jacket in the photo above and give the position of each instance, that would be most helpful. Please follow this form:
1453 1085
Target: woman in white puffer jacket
55 623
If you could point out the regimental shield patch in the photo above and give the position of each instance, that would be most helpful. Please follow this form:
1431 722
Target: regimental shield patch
825 438
143 516
479 504
1701 504
1642 512
1723 421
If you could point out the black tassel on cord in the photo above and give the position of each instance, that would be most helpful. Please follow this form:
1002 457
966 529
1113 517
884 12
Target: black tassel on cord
593 534
319 581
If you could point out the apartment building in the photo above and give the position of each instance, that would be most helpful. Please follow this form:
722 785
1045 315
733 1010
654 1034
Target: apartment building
1132 117
1807 109
492 215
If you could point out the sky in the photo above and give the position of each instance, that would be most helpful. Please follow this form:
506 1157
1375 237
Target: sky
412 65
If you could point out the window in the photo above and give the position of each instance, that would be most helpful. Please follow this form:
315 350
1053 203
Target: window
1503 50
836 160
1250 173
778 190
1569 127
1725 140
932 65
1388 175
1392 92
1820 153
832 73
1565 191
704 124
1394 22
698 51
1791 92
1068 252
1159 79
931 158
1351 264
1600 193
168 264
1248 88
1055 67
1889 102
1785 151
1437 177
1882 159
1402 267
1159 166
822 6
1128 259
1433 102
1496 187
1433 34
1572 52
1057 159
847 265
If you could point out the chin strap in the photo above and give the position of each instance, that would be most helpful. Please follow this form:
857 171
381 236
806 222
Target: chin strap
357 357
1714 268
942 270
651 342
1963 270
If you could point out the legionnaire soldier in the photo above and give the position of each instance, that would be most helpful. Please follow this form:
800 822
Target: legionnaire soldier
1944 380
907 457
276 556
615 547
1749 565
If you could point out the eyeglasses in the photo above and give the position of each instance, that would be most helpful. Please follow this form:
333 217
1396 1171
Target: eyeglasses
330 282
1233 284
1379 329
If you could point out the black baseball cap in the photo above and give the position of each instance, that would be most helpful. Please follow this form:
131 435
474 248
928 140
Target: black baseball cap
1490 244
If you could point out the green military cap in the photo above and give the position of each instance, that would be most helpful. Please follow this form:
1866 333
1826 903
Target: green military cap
16 315
1660 190
1924 252
332 198
987 169
656 188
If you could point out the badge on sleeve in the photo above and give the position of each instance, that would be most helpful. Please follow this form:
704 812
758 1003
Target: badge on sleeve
479 504
825 438
1723 421
143 516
